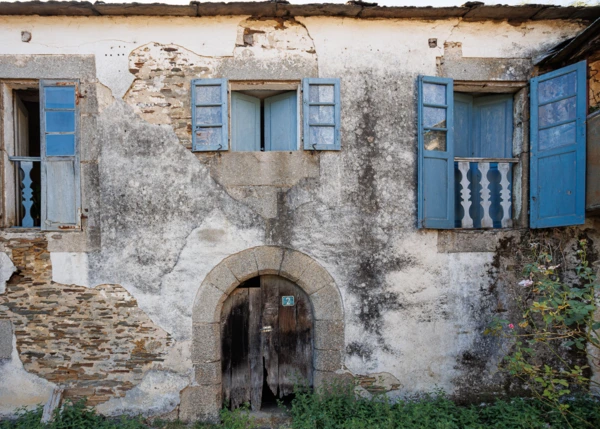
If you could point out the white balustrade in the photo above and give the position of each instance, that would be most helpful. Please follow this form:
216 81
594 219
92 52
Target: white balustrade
486 193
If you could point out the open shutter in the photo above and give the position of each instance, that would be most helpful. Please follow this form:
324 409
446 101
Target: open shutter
557 165
321 114
245 123
436 153
281 122
61 197
210 113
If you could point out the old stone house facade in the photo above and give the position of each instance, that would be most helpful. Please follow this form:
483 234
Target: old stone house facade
379 165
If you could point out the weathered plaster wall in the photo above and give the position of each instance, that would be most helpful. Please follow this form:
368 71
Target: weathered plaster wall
415 302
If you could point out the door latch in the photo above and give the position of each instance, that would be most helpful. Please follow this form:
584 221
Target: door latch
266 329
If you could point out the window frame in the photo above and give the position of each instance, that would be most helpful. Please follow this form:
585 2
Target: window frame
520 149
268 85
10 197
302 129
10 193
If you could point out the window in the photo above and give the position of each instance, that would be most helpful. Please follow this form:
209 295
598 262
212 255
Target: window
264 120
465 153
43 167
259 116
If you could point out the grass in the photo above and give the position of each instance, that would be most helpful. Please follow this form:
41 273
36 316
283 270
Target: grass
338 408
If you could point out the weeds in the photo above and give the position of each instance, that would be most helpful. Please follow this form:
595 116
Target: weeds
337 407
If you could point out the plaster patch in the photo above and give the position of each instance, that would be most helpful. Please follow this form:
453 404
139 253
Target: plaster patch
214 240
158 393
20 388
7 268
70 268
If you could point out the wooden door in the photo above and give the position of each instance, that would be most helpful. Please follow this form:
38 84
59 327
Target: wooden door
265 330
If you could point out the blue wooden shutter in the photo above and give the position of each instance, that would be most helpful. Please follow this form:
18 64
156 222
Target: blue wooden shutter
245 123
321 114
281 122
493 126
59 117
557 164
210 113
436 153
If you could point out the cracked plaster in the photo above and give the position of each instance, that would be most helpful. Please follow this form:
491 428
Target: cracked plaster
165 222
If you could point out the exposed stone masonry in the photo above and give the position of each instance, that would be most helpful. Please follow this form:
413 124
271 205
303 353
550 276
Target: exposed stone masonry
95 342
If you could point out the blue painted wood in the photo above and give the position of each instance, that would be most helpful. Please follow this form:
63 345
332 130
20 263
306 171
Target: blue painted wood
60 165
281 122
493 126
463 118
26 193
245 123
558 103
321 112
436 153
210 115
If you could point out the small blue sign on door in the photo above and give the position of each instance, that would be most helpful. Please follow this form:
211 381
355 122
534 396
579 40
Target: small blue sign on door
287 301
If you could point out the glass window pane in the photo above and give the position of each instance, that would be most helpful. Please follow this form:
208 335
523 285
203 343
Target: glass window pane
321 94
434 117
434 93
322 135
209 136
208 94
59 97
321 114
557 87
59 122
60 144
435 140
559 111
563 135
208 115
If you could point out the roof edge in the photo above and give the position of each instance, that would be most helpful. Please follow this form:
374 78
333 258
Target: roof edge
471 11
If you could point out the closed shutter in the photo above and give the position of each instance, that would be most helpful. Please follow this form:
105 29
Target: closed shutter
436 153
245 123
281 119
61 198
557 164
321 114
210 115
493 126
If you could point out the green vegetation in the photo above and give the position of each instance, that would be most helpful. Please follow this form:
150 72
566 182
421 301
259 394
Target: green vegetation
338 407
557 330
78 416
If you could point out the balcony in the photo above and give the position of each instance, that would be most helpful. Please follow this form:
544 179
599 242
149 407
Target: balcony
483 192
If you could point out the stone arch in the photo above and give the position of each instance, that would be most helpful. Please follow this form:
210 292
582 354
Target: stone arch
202 400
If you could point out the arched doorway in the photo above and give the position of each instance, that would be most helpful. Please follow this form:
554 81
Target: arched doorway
203 398
266 341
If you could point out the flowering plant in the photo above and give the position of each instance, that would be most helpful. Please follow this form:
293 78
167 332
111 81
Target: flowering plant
557 316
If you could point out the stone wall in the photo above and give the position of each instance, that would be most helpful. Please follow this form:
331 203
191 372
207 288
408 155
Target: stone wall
95 342
159 218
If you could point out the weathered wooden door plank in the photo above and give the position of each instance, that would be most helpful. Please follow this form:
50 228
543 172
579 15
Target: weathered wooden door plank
255 348
270 329
238 322
295 338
